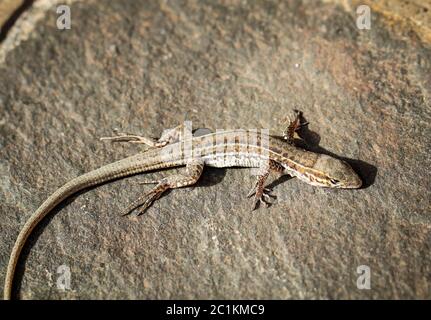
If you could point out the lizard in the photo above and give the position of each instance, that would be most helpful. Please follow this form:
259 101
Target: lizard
177 147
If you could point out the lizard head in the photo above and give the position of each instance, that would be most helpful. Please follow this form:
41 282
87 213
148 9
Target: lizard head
336 173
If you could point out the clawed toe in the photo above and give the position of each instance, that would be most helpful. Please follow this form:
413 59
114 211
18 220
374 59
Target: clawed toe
254 191
268 196
145 201
251 193
263 197
147 204
135 139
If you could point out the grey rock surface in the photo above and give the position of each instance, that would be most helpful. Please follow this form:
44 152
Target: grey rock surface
143 66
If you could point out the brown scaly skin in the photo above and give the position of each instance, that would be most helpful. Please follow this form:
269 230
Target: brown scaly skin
235 148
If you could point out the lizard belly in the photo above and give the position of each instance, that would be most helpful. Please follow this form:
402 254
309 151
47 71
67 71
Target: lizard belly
232 160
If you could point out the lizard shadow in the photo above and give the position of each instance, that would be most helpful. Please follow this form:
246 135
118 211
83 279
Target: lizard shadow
309 140
211 176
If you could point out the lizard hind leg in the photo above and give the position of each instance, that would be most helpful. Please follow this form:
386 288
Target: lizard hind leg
191 175
133 138
146 200
168 136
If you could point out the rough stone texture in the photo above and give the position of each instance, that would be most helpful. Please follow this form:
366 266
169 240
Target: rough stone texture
145 66
413 14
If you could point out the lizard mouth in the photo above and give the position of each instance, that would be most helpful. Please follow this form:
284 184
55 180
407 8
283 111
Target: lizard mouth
353 183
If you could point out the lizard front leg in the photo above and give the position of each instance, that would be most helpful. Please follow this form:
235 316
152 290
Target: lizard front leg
262 194
192 174
295 125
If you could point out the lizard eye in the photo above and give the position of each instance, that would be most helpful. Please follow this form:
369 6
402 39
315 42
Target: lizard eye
334 181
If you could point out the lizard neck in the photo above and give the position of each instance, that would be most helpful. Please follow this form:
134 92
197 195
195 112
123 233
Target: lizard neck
298 162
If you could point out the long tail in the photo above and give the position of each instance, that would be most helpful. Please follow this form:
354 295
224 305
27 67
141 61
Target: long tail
132 165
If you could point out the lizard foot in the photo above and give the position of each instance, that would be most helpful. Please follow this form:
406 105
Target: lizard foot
261 195
192 173
145 201
294 125
132 138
